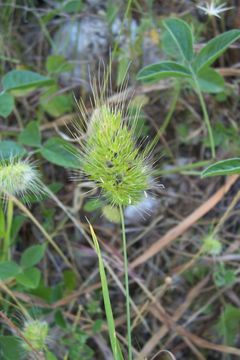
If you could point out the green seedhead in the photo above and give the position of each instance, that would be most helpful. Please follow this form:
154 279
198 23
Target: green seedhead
19 178
36 332
111 157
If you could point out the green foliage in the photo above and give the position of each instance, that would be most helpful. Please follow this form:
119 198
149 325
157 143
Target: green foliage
210 81
32 255
31 135
182 37
193 67
179 34
224 276
29 277
72 6
56 105
25 274
77 346
228 325
24 80
57 64
163 70
6 104
8 269
58 151
10 348
214 48
9 148
70 281
223 167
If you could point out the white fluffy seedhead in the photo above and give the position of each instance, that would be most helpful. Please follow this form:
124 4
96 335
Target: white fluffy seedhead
19 178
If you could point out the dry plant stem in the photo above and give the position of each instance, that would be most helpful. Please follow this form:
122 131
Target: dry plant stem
43 231
126 284
11 294
7 237
178 230
11 325
227 213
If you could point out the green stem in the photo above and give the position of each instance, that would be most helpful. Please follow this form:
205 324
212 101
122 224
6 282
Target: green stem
126 284
7 237
171 110
181 169
205 115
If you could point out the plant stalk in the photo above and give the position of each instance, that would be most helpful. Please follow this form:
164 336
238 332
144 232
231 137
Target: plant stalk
7 237
126 284
205 115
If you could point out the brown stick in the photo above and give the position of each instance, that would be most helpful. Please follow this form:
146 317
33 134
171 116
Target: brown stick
178 230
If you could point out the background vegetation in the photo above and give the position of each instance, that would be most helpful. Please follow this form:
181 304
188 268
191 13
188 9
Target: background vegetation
183 241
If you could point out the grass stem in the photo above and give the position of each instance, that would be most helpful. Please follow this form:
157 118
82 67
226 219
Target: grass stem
126 284
7 237
205 115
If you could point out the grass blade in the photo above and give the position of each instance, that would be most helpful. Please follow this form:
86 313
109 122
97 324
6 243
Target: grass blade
107 303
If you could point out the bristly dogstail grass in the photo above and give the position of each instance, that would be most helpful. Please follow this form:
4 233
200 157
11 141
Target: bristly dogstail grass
117 162
36 333
113 161
18 178
110 154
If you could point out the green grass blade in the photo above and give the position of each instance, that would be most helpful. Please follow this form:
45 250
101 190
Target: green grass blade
107 303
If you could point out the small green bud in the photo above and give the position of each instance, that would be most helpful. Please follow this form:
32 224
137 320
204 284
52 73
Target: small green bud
36 332
211 245
112 214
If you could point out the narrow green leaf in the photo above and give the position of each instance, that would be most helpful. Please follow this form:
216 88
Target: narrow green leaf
33 255
210 81
182 36
60 152
6 104
163 70
223 167
31 135
24 79
214 48
8 269
107 303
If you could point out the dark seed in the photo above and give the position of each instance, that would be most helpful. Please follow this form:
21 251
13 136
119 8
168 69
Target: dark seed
119 179
109 164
